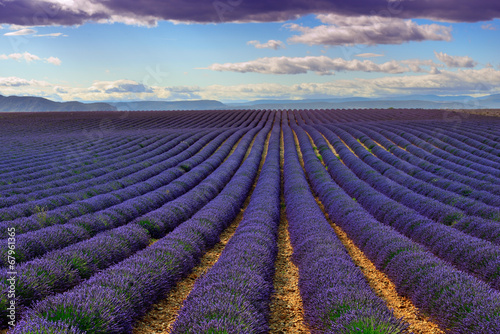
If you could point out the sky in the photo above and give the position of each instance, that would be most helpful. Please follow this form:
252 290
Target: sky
240 50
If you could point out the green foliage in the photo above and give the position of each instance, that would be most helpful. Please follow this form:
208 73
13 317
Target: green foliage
370 325
41 214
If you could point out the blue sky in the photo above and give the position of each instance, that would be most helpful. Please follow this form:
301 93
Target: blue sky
311 55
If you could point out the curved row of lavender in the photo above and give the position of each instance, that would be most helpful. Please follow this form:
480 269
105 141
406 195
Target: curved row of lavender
106 160
111 300
449 142
234 295
107 179
98 145
403 149
473 255
443 178
97 173
426 152
492 174
335 293
67 211
142 174
71 265
469 206
455 300
91 165
418 196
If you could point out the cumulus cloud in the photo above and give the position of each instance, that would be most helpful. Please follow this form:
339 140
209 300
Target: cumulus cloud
54 60
120 86
455 61
321 65
369 30
415 65
368 55
75 12
468 81
28 57
271 44
19 82
444 82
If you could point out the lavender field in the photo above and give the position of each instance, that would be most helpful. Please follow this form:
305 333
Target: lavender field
250 221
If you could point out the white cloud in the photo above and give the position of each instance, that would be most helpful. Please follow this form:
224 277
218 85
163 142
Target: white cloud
369 55
21 32
119 86
370 30
19 82
415 65
56 34
463 81
456 61
28 57
321 65
271 44
54 60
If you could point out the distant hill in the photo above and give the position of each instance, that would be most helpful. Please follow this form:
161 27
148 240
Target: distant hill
359 105
169 105
491 101
31 103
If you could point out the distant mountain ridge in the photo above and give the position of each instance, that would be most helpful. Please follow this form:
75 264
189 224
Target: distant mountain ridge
32 103
168 105
36 104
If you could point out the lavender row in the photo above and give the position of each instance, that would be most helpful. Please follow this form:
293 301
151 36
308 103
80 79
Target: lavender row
110 301
492 172
426 206
234 295
483 179
336 296
459 145
480 133
478 140
478 257
62 269
57 280
119 187
456 301
36 151
426 171
36 243
162 219
93 169
59 153
95 181
70 159
91 164
402 181
57 209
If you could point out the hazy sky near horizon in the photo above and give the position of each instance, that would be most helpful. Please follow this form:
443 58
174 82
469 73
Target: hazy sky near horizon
233 50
